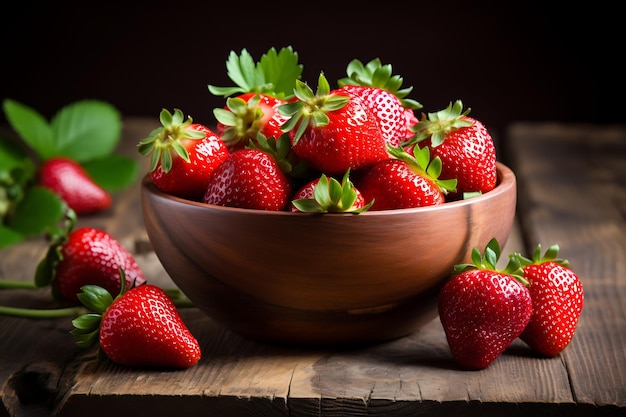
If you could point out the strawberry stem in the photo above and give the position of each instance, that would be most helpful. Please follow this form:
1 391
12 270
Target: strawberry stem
6 284
33 313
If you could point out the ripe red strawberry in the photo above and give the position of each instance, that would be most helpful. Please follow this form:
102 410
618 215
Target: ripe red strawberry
482 309
72 183
183 155
404 181
558 299
141 327
466 148
250 178
327 195
86 256
379 90
331 131
245 116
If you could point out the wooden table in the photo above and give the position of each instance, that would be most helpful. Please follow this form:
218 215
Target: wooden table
572 191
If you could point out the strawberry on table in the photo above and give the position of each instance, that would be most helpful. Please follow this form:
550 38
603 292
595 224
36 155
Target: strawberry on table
86 256
558 298
381 91
141 327
332 131
183 155
404 181
72 183
483 309
466 148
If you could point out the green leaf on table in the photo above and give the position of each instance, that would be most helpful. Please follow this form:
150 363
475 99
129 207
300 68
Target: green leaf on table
39 211
86 130
31 126
9 237
113 172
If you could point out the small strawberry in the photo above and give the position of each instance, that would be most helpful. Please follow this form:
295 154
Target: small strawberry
183 155
86 256
332 131
68 179
141 327
466 148
483 309
558 299
327 195
404 181
253 178
380 90
247 115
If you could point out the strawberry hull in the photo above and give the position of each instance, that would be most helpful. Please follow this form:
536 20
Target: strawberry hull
321 279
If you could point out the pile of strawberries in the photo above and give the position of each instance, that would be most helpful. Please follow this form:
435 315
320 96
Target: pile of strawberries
276 140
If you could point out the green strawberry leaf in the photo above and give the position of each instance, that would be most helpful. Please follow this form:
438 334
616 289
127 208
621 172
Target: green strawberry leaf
86 130
9 237
31 126
37 212
113 172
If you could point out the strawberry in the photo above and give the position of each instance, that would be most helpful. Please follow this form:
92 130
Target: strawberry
260 87
327 195
466 148
253 178
68 179
86 256
183 155
141 327
404 181
483 309
332 131
558 297
380 91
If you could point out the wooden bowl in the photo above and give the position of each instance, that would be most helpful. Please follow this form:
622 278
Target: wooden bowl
321 279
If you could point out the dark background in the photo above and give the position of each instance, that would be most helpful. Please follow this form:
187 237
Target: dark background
507 61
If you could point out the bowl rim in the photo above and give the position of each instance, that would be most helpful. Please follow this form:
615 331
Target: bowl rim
505 180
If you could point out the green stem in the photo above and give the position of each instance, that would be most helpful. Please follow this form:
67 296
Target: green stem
183 303
32 313
4 285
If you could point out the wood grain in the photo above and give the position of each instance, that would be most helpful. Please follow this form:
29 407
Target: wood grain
572 193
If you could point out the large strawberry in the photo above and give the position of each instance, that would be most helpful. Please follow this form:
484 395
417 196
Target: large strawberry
86 256
141 327
327 195
466 148
404 181
558 299
332 131
483 309
253 178
183 155
72 183
382 92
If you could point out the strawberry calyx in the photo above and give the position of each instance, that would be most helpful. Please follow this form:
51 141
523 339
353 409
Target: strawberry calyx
438 125
310 109
375 74
274 74
45 272
488 261
421 162
243 119
537 258
330 196
168 138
